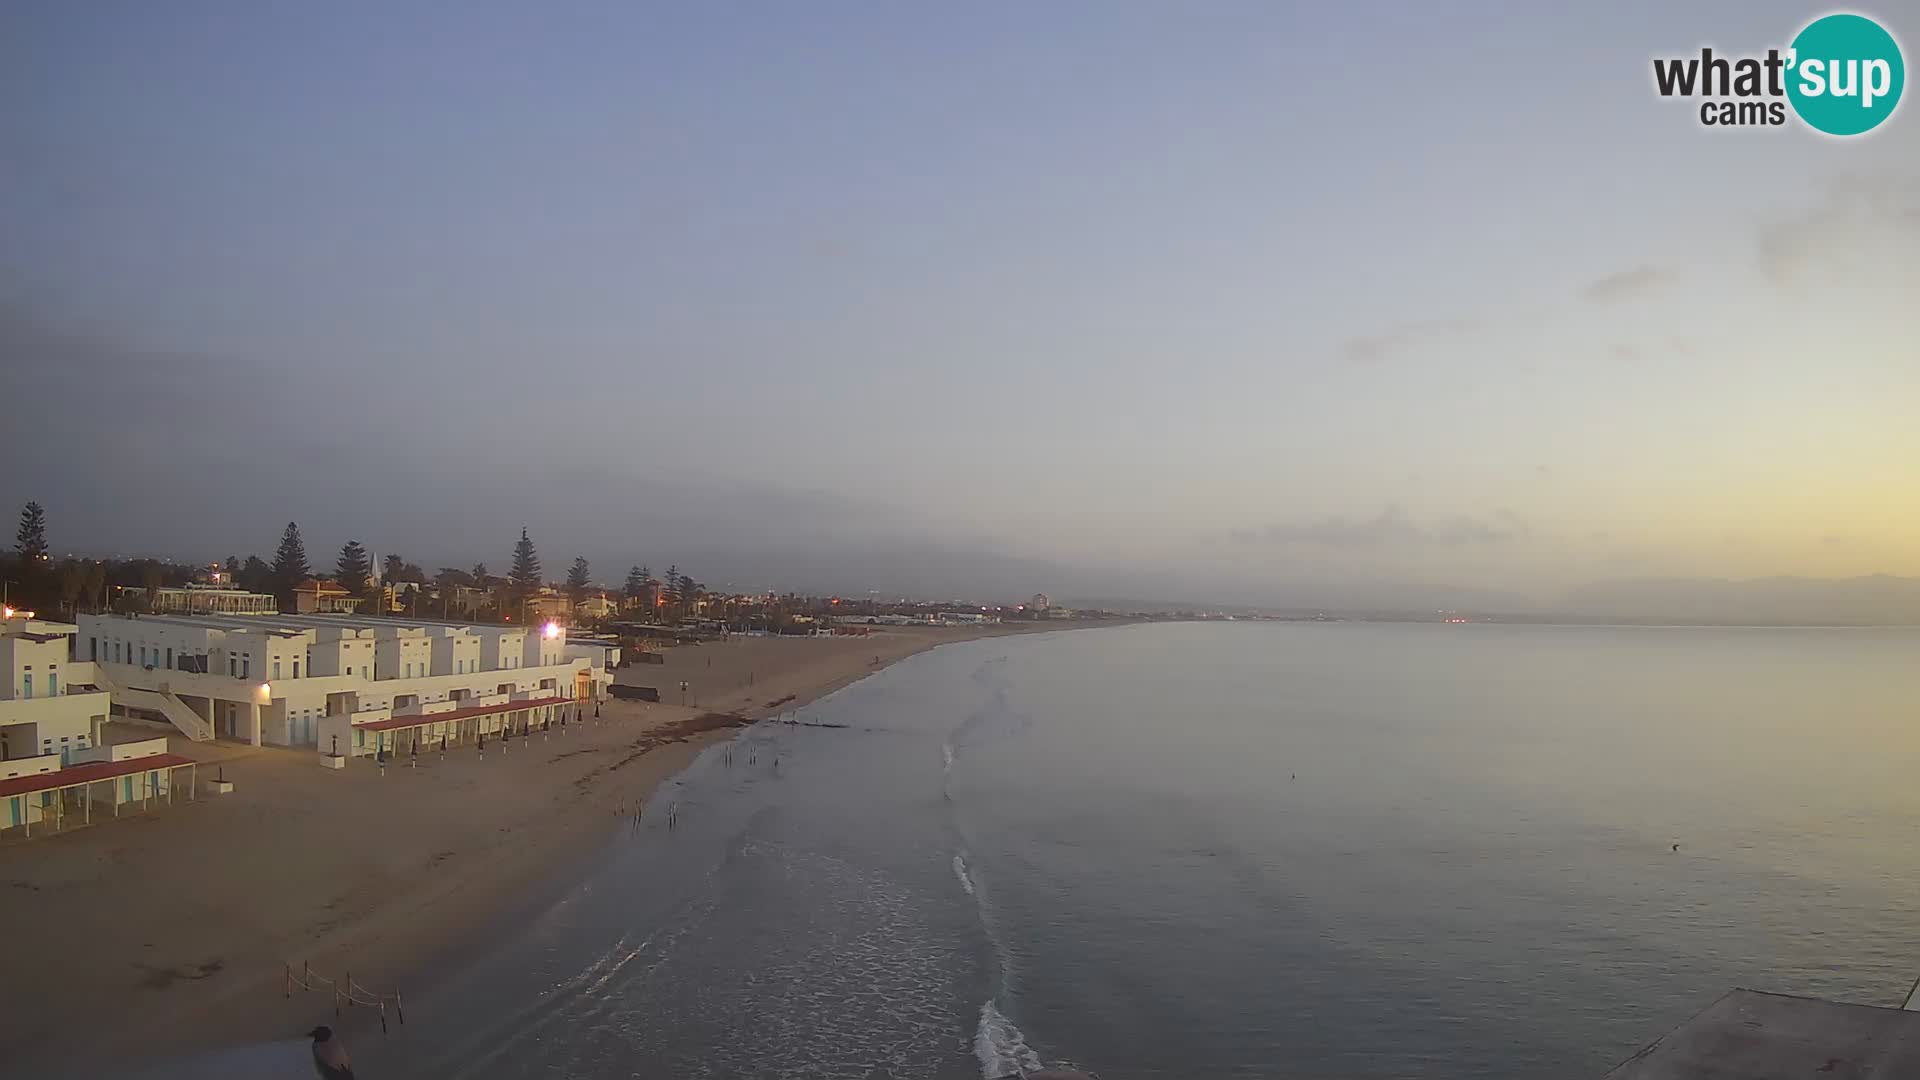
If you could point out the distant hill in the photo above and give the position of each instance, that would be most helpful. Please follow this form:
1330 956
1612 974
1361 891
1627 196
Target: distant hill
1877 600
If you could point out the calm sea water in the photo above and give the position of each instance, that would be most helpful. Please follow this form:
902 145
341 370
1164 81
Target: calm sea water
1219 850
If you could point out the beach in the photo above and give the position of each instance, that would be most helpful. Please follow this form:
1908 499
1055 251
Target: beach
175 927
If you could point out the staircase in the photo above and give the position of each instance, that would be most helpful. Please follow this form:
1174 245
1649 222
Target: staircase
165 703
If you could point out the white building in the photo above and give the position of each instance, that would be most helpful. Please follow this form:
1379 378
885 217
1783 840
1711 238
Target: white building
211 600
290 679
49 705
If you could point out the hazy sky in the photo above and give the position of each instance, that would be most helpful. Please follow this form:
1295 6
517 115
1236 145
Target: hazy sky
1152 300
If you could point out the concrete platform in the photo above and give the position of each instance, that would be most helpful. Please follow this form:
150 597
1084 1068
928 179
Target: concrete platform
1754 1036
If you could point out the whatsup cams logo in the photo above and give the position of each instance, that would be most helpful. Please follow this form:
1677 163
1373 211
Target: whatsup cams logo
1841 75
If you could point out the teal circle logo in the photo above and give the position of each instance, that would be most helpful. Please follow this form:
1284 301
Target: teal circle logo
1845 74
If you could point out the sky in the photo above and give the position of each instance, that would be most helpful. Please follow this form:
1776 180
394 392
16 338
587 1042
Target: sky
1250 302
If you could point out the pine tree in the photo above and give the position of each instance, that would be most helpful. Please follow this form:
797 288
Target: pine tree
31 540
480 575
255 576
636 583
393 568
289 565
526 566
233 568
352 571
579 576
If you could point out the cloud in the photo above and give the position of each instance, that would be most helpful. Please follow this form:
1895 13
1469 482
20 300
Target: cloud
1631 284
1378 347
1391 527
1853 210
196 457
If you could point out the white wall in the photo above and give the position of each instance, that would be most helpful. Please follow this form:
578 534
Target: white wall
502 650
49 725
27 664
456 652
539 650
403 656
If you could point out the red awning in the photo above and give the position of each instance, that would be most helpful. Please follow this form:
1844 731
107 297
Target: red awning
424 719
91 773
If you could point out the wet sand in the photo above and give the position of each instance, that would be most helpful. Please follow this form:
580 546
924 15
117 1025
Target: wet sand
168 932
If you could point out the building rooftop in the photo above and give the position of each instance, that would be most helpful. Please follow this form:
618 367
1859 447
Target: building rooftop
90 773
1756 1036
291 624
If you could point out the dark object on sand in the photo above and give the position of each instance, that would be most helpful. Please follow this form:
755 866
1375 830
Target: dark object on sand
639 693
329 1056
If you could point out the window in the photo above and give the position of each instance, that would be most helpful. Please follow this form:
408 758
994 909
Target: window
93 648
26 686
233 668
169 656
246 662
276 667
296 669
349 669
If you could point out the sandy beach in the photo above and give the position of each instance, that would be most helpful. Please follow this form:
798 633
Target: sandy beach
169 931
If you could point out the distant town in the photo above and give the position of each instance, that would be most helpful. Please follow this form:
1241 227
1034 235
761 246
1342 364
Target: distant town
361 582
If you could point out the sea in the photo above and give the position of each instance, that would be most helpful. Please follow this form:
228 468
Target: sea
1232 849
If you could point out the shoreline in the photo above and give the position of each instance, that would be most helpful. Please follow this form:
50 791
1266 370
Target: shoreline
391 877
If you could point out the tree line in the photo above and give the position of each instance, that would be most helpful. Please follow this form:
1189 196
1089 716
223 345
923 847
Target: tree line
33 580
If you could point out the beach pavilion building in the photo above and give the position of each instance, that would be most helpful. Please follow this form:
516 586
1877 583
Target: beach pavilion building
336 682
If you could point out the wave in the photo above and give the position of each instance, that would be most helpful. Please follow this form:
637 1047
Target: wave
1000 1046
960 871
